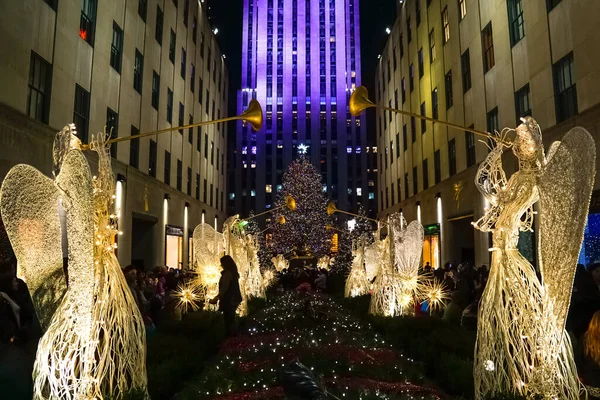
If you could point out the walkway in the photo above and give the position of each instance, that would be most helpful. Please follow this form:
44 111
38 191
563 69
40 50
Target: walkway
352 361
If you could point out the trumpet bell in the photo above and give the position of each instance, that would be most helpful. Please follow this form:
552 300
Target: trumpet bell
331 208
281 220
253 115
290 203
359 101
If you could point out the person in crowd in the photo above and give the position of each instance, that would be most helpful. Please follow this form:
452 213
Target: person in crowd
427 268
132 281
15 365
453 311
229 297
449 280
321 281
585 300
464 285
16 292
587 357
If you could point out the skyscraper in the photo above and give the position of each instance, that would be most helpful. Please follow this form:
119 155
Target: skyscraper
301 61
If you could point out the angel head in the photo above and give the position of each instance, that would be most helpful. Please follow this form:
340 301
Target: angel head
528 146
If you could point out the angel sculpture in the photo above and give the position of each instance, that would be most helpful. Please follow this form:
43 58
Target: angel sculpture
94 339
280 263
235 246
208 249
255 286
324 262
357 283
522 346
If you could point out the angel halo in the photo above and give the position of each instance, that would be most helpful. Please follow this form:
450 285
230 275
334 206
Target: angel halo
522 346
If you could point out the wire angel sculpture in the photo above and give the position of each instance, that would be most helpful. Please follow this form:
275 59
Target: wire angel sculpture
522 346
94 339
235 246
324 262
255 285
208 246
357 283
280 263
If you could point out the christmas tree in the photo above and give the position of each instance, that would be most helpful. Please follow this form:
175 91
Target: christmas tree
343 259
364 227
305 228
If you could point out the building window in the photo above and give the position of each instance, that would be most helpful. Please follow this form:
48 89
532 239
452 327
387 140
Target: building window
172 47
142 9
470 145
179 174
413 128
395 59
406 185
492 120
403 90
112 127
488 48
421 69
423 122
197 186
200 90
155 89
183 62
401 44
398 145
448 87
399 186
393 199
138 71
180 121
434 103
205 191
446 24
387 197
565 90
134 148
193 79
186 12
425 174
405 137
152 156
212 153
522 102
452 157
167 171
206 145
158 32
415 181
550 4
465 64
116 48
87 21
462 5
52 3
437 167
515 21
169 106
211 194
40 84
391 152
431 46
418 11
81 112
408 30
189 181
411 82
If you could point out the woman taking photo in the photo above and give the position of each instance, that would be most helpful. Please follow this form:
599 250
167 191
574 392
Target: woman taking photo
229 297
588 358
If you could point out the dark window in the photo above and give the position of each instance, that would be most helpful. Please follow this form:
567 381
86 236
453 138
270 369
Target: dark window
189 181
423 122
186 11
448 87
207 103
492 124
52 3
401 43
194 29
155 89
205 191
434 103
415 181
395 59
202 44
396 105
190 130
169 106
218 153
411 81
403 90
181 112
387 197
206 145
431 46
87 21
413 128
172 47
167 175
397 145
465 64
81 113
179 174
193 80
425 174
40 84
200 90
211 194
393 192
452 157
112 127
152 156
470 145
515 21
437 166
551 4
446 24
134 148
421 68
116 48
138 71
212 153
142 9
487 41
406 196
565 91
391 152
405 137
418 11
197 186
158 33
183 62
399 189
408 30
523 102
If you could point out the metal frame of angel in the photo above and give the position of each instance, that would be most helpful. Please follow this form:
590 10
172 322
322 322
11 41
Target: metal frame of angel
94 341
522 346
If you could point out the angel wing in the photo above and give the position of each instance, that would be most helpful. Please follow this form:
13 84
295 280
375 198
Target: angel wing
565 186
408 249
29 206
208 245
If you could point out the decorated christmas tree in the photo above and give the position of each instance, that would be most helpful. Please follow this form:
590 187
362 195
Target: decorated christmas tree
304 230
343 259
364 227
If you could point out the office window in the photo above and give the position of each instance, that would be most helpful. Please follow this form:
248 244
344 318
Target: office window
395 59
207 103
152 156
415 181
206 145
200 89
40 84
516 23
488 48
179 174
197 186
87 21
401 44
397 145
205 192
172 47
431 46
142 9
218 153
212 153
193 80
465 64
183 62
550 4
116 48
138 71
134 148
448 87
492 120
391 152
462 5
434 103
425 174
211 194
405 137
418 11
423 122
470 145
399 186
387 197
565 91
446 24
522 102
186 12
452 157
81 113
190 130
52 3
155 89
160 17
169 106
403 90
437 166
406 196
189 181
180 121
408 30
421 69
411 82
393 192
413 128
167 170
112 127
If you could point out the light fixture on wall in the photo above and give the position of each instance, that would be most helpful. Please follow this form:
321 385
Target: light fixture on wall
419 211
438 199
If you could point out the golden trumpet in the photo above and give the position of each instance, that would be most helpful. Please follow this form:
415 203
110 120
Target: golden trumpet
359 102
253 115
290 203
332 209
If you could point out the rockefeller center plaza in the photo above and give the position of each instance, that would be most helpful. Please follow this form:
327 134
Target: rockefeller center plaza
299 199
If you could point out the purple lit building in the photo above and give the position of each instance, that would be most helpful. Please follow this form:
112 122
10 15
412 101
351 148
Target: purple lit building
301 61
